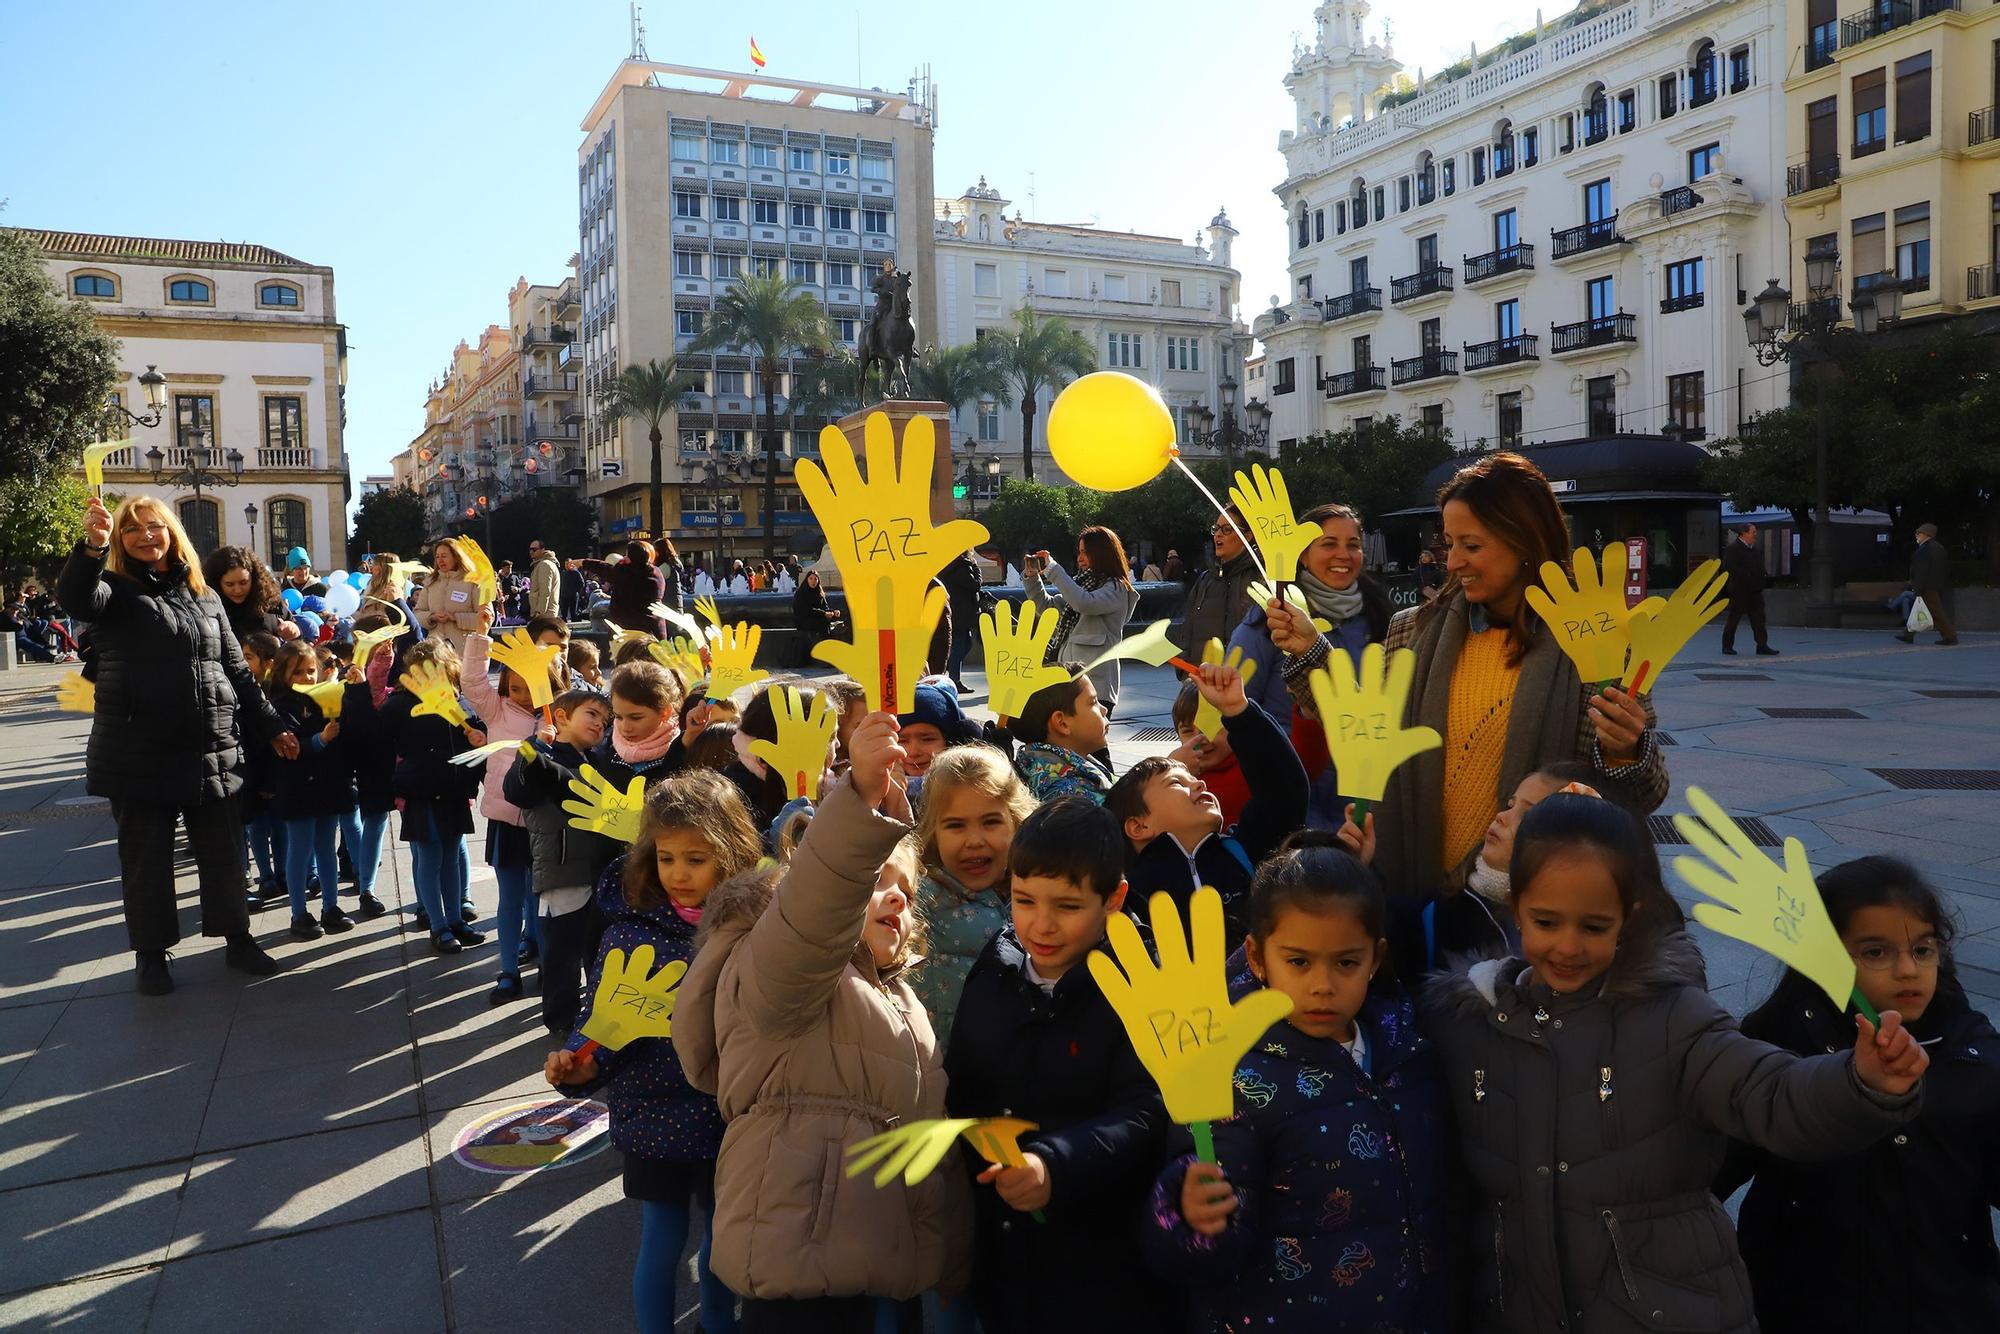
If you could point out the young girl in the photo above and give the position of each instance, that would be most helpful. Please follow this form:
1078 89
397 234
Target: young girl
260 788
1915 1204
581 655
973 803
436 799
314 792
798 1015
1595 1082
372 757
1329 1190
695 834
765 791
510 715
643 726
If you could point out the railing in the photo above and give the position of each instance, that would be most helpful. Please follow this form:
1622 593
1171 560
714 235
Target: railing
571 413
1979 126
1501 352
1821 45
1619 328
1436 278
536 434
123 460
1427 187
1812 174
553 334
1357 302
551 384
1678 200
1979 282
1596 129
1507 259
284 456
1359 381
1591 236
1424 366
1685 301
1887 16
1804 314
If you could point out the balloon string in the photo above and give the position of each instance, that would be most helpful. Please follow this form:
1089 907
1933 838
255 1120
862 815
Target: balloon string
1219 509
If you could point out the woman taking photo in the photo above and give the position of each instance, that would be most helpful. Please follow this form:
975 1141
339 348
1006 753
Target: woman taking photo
163 745
448 604
1095 604
249 594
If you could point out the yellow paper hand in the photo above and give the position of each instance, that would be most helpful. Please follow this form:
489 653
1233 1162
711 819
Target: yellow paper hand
435 694
620 637
1262 596
1265 503
1777 910
997 1139
1363 718
912 1150
680 620
93 461
732 659
681 656
1589 619
479 569
1152 646
805 739
872 657
478 754
1208 718
1017 642
1657 636
365 642
602 808
706 606
529 661
327 696
402 571
628 1004
1177 1013
76 694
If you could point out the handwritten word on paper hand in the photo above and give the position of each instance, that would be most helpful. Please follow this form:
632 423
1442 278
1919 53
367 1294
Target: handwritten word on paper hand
632 1001
529 661
602 808
732 659
1207 717
1658 635
805 739
435 693
1266 505
1588 617
1363 714
1017 645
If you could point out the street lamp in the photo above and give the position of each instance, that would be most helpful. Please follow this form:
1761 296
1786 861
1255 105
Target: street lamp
250 517
197 472
1229 434
155 385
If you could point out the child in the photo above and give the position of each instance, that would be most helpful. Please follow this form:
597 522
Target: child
372 761
1914 1204
694 835
1062 726
797 1014
509 711
1209 758
713 748
1035 1038
933 723
973 801
1174 824
313 792
766 792
634 646
260 789
644 697
582 658
1333 1167
1595 1081
436 798
567 860
846 697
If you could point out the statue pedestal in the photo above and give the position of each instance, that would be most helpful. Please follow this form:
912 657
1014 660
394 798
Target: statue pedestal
901 412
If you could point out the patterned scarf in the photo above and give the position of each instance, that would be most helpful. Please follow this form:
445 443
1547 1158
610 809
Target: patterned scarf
1087 580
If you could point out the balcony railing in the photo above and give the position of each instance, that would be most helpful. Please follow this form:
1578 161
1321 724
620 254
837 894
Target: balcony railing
1357 302
1887 16
1980 126
1678 200
1685 301
1361 381
1501 352
122 460
1821 43
1507 259
1812 174
1424 366
1979 282
1596 129
571 413
1806 313
1437 278
284 456
1590 236
1599 332
553 334
551 384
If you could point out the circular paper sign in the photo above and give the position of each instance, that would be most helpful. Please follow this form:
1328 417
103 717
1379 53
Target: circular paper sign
530 1136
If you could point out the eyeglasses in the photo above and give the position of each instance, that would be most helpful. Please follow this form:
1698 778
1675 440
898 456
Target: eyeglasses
1925 954
149 529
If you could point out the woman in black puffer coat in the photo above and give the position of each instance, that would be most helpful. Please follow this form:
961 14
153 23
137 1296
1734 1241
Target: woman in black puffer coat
164 746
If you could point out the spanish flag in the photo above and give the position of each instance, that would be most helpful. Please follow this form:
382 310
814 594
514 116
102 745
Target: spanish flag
756 54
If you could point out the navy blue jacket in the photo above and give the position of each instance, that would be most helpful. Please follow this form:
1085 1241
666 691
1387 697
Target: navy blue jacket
321 780
1064 1062
1340 1183
436 794
655 1112
565 857
1228 860
371 750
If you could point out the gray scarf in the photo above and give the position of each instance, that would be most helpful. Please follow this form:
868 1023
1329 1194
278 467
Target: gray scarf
1335 604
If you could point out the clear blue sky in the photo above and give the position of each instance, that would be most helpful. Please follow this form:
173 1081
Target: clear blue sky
427 151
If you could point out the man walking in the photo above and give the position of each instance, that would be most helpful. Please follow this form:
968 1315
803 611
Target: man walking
1744 565
544 582
1930 579
1216 604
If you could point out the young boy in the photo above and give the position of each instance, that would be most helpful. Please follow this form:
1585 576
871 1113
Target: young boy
1209 758
1062 725
1035 1038
932 725
567 861
1174 824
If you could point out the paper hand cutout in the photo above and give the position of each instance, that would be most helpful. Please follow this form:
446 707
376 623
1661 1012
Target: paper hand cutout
76 694
914 1149
680 620
1208 718
402 571
435 694
1150 646
603 809
1363 718
521 656
887 550
1266 505
732 659
706 606
805 739
365 642
1017 645
327 696
1589 619
478 754
479 569
629 1005
93 461
620 637
872 655
1777 910
679 655
1178 1015
1657 636
1261 594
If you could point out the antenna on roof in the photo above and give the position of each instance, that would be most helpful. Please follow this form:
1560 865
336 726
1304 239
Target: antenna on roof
639 43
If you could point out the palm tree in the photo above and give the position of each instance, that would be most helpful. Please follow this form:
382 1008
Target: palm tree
648 393
1038 354
767 316
955 376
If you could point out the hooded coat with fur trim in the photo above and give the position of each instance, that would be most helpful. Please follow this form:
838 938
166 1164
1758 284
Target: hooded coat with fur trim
1592 1124
810 1050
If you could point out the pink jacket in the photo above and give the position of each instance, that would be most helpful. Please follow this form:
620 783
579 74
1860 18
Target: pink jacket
505 721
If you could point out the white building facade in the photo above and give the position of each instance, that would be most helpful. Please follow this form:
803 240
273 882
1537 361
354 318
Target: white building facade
255 361
1151 306
1553 245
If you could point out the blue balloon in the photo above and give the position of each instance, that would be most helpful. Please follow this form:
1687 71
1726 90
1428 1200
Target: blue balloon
293 598
358 580
313 603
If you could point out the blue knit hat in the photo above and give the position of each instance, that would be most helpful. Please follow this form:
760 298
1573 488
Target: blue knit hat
938 706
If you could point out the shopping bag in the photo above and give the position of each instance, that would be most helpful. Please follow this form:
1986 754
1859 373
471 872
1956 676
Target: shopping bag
1920 618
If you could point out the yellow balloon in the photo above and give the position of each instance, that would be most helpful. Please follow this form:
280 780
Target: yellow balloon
1111 432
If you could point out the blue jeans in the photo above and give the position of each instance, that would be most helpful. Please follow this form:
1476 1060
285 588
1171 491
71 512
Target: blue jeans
267 843
517 899
961 644
362 832
310 840
663 1236
441 873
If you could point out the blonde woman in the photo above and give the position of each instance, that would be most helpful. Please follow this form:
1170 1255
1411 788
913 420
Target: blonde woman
448 604
163 744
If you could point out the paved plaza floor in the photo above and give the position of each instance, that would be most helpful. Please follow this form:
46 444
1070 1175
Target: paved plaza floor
277 1153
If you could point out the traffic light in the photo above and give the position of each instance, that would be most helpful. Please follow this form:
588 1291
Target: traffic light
960 491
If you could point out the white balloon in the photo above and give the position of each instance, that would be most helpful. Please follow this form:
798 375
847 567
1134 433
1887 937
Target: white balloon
344 600
335 577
